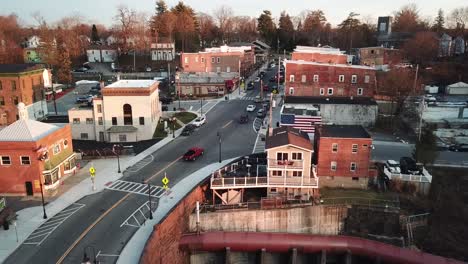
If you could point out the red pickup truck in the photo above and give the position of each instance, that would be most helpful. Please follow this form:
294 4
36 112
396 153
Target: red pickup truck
193 153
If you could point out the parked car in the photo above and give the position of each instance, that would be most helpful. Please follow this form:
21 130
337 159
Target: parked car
459 148
392 166
244 119
81 69
257 79
193 153
408 166
188 130
85 99
96 87
261 113
266 88
273 79
250 86
250 108
199 121
273 65
258 99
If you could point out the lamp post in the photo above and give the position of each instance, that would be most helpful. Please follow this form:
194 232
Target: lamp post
201 106
149 201
116 148
219 142
86 259
43 204
173 120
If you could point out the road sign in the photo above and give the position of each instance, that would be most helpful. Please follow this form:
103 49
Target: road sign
92 171
165 182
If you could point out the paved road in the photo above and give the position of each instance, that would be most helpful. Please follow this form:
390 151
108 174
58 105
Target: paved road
114 207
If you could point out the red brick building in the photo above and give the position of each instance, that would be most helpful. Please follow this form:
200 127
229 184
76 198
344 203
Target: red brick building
222 59
342 155
21 83
32 153
378 56
319 54
304 78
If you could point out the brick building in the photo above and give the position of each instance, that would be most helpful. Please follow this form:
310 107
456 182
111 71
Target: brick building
305 78
379 56
342 155
22 83
203 84
31 153
319 54
222 59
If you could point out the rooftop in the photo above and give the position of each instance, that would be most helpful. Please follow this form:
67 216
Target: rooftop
288 136
18 68
329 100
132 84
226 48
343 131
26 130
321 50
207 77
329 64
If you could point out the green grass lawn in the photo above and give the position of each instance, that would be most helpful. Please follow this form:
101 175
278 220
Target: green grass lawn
356 196
161 133
185 117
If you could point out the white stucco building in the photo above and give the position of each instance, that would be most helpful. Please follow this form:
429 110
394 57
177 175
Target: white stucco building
128 111
101 54
163 51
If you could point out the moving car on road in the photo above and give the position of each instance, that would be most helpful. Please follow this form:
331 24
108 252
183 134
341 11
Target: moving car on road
250 108
250 86
85 99
266 88
257 79
193 153
261 113
201 120
258 99
188 130
244 119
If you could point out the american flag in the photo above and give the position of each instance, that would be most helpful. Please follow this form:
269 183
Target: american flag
303 123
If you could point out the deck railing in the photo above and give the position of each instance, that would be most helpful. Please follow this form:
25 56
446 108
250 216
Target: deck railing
285 164
262 181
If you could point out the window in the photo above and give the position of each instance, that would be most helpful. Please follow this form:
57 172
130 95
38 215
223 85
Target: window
297 156
123 138
100 120
291 91
89 121
354 148
322 91
366 78
218 69
65 144
303 78
353 78
330 91
353 166
228 69
24 84
212 59
25 160
99 108
341 78
281 156
276 173
15 100
218 60
202 60
1 87
291 78
335 147
142 120
316 78
2 100
6 160
333 166
127 114
13 85
114 121
186 59
297 173
84 135
196 59
273 190
355 178
56 149
360 91
76 120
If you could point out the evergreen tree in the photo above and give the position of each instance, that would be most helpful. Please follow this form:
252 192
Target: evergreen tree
266 27
94 34
286 31
439 22
425 150
161 7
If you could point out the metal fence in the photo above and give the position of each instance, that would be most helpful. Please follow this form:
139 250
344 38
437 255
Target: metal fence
363 202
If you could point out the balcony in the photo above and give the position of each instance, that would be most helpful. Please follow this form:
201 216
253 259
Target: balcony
285 164
263 182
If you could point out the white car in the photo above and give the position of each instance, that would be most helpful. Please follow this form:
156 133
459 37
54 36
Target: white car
393 166
250 108
273 65
199 121
257 79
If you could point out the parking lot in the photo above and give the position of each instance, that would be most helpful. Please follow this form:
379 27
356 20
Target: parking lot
68 100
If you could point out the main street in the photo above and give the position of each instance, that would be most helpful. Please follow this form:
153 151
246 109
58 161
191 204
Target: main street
98 222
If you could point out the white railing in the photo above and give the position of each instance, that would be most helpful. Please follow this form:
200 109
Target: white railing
285 164
247 182
424 177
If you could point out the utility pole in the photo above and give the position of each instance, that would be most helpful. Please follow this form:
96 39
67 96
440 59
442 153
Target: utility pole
421 110
43 204
219 142
415 79
261 88
134 54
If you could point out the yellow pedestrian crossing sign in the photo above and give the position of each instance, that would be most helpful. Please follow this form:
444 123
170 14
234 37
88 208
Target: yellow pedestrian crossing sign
165 182
92 171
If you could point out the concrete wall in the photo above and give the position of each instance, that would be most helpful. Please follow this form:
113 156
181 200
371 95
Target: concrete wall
347 114
324 220
82 127
343 182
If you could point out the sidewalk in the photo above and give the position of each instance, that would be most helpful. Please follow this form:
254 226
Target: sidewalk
134 247
30 219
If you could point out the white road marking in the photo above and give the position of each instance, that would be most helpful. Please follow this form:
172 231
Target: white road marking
141 164
135 187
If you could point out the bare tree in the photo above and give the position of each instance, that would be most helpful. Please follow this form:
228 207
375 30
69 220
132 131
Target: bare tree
126 20
206 28
458 18
223 16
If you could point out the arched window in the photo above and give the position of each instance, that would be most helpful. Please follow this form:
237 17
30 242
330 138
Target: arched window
127 113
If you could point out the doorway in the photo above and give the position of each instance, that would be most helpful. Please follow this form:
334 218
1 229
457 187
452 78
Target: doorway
29 188
101 136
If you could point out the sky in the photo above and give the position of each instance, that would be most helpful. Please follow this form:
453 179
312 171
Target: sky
103 11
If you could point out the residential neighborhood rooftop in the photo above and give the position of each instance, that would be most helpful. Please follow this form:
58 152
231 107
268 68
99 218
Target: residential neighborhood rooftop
17 68
321 50
288 136
132 84
26 130
328 64
343 131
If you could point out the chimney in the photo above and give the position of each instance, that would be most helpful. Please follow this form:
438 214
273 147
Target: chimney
22 111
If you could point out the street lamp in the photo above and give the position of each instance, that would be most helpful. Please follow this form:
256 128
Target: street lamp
149 201
86 259
115 149
173 120
219 142
43 204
